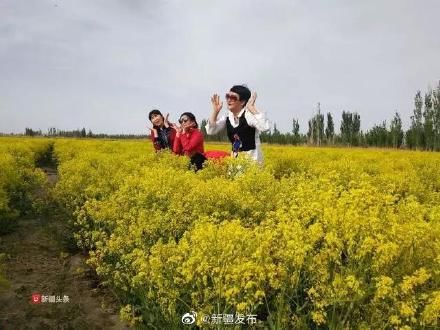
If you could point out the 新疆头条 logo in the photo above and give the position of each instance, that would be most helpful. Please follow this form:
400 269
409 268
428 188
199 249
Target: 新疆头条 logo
36 298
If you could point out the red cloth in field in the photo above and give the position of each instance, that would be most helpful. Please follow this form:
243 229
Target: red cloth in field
216 154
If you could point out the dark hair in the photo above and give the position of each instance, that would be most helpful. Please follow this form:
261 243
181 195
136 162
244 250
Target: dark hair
243 92
190 116
154 112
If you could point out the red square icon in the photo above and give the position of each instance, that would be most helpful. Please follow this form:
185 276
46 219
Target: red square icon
36 298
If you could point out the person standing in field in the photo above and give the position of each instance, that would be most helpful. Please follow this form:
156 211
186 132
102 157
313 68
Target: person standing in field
244 122
162 134
189 140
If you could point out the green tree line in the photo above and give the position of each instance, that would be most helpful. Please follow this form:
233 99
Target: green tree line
423 133
80 133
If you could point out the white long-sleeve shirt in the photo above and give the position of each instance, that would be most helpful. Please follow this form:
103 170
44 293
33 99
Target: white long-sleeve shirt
258 121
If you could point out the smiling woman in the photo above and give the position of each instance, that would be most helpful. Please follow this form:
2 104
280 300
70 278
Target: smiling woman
189 140
161 133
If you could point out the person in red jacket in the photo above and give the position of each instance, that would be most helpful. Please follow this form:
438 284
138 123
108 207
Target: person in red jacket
189 140
162 134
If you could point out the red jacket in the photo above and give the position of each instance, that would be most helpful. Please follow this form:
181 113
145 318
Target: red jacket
171 138
189 143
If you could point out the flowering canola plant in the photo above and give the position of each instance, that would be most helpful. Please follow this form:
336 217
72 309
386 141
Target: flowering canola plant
317 237
19 177
19 183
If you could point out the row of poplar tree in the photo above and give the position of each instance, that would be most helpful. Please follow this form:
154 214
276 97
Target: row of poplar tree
423 134
80 133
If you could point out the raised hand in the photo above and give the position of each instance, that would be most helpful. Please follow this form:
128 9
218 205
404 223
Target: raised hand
153 131
216 103
178 129
251 104
166 123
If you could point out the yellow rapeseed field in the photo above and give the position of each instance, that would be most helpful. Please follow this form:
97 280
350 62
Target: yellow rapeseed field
317 237
19 177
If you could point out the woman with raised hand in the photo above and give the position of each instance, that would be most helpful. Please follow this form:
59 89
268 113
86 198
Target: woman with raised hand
162 133
189 140
244 122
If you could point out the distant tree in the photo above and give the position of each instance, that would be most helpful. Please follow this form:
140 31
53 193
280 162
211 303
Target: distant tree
319 127
52 131
330 129
346 127
315 133
378 135
31 132
310 132
350 128
428 122
396 131
295 132
416 121
276 132
203 127
355 129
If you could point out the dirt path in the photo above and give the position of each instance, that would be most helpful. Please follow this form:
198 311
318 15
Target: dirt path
38 260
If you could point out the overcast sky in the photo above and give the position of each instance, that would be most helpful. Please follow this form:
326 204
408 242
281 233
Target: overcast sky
103 64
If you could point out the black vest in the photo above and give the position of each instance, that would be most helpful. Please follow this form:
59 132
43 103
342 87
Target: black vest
164 137
245 132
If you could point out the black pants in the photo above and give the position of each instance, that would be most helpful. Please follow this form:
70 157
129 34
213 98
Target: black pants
197 161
